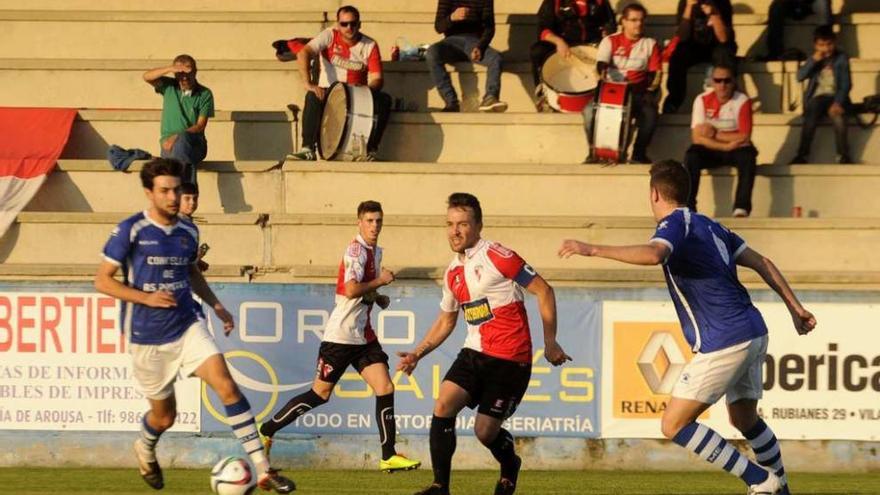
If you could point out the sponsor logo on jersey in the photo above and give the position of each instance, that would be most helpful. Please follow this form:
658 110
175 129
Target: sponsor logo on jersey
147 242
477 312
347 63
478 272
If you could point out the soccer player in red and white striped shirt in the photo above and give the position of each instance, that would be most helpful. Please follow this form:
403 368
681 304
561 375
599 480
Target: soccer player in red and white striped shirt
484 282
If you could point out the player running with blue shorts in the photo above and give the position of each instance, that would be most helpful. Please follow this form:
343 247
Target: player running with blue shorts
157 252
726 331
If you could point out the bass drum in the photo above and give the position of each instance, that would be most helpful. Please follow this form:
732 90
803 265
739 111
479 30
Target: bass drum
611 121
569 84
346 123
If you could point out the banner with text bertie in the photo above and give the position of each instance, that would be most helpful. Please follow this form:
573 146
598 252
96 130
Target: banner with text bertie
64 365
272 355
820 386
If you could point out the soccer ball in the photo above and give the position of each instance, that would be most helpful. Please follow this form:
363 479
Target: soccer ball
232 476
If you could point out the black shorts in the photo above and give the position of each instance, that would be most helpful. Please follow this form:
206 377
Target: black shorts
333 358
496 385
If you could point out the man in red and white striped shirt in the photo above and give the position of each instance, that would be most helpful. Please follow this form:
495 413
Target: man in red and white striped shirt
485 282
629 56
346 55
721 130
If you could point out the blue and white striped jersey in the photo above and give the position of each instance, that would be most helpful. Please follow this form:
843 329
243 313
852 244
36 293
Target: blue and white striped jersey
154 257
714 308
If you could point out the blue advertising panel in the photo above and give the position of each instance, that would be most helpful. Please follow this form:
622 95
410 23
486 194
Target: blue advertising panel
272 354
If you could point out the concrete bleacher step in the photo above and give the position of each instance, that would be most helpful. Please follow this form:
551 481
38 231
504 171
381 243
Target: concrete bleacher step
414 240
822 191
638 277
86 271
36 238
439 137
598 278
271 85
247 35
420 240
501 6
225 187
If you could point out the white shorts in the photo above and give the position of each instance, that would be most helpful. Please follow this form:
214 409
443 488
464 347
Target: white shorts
735 371
157 367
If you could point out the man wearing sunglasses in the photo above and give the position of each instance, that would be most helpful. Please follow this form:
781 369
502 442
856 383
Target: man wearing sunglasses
347 55
721 131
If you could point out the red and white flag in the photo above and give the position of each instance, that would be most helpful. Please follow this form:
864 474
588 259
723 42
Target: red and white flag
31 140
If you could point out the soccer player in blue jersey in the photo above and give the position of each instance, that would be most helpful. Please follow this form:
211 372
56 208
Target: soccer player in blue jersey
156 251
726 331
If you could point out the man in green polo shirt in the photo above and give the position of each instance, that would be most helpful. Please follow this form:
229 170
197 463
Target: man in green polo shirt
186 108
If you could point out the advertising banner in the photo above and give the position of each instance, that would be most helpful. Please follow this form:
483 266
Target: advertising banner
273 351
820 386
64 365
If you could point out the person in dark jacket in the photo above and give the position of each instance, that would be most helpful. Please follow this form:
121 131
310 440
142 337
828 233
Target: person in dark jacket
705 34
468 27
795 9
563 24
827 93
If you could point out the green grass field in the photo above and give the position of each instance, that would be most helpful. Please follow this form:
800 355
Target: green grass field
185 481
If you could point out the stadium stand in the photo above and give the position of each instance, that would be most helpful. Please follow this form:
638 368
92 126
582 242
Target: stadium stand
275 222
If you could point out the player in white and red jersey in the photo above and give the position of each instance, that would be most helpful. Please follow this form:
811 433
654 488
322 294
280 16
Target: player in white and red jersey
628 56
485 280
345 55
721 130
349 340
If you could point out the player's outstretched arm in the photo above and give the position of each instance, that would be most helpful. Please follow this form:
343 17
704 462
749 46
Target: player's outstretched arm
804 321
200 287
106 284
547 306
440 330
652 253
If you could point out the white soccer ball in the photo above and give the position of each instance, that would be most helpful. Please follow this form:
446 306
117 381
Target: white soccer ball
232 476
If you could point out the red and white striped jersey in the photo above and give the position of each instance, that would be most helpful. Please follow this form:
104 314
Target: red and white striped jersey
733 116
343 62
488 287
630 61
350 321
